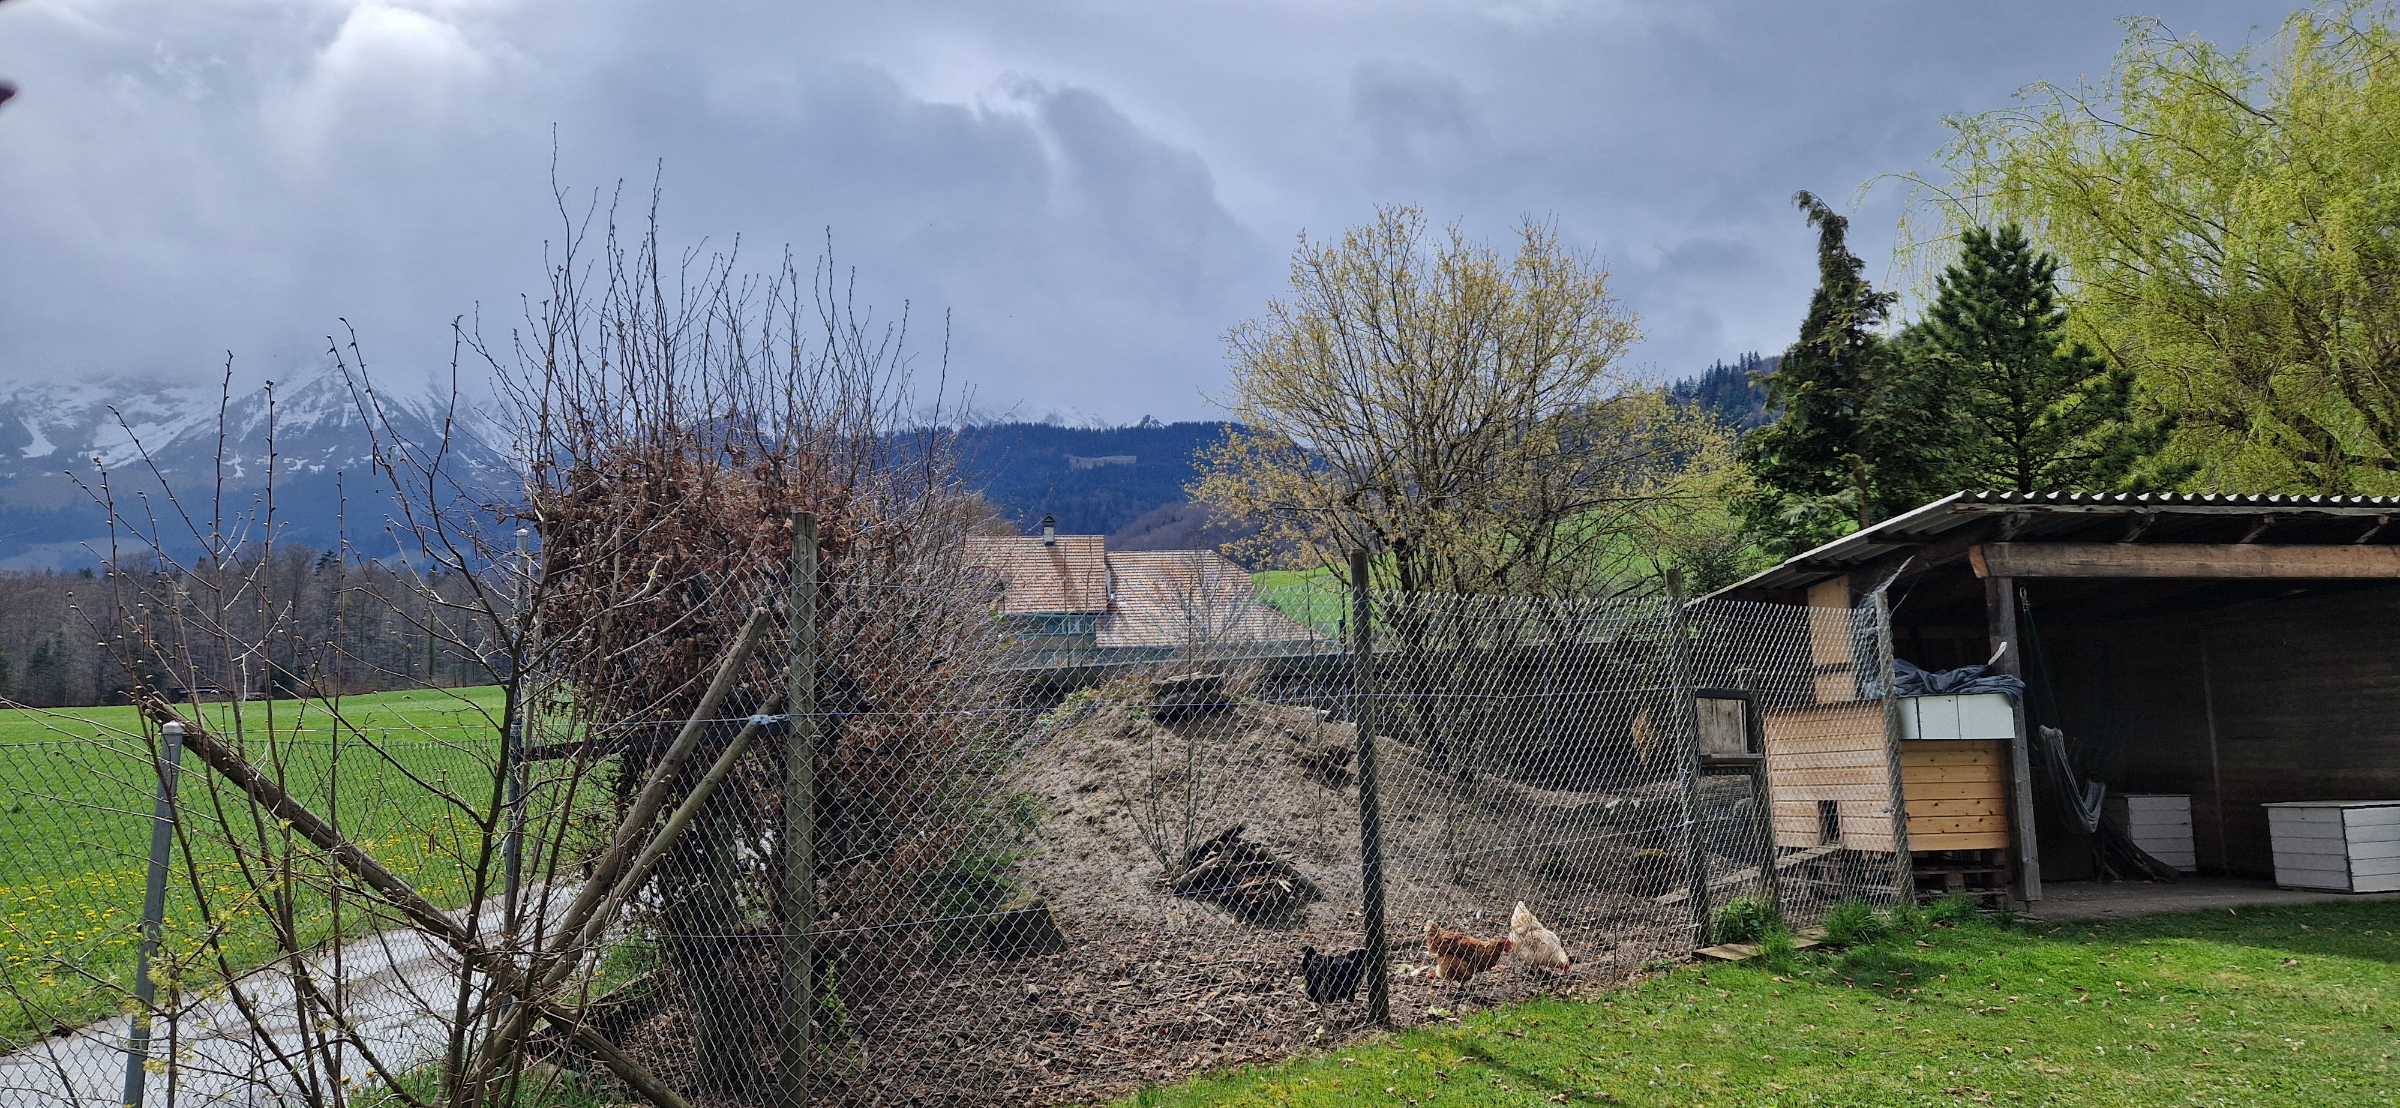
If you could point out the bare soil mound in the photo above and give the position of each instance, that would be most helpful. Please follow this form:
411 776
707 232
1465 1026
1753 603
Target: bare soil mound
1155 985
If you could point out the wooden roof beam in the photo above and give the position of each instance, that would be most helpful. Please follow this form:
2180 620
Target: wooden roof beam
2184 560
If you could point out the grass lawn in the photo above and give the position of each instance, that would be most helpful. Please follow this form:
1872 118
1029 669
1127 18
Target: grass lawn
1269 580
2292 1006
75 803
1311 596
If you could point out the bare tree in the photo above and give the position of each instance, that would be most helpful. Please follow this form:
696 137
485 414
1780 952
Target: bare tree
584 640
675 420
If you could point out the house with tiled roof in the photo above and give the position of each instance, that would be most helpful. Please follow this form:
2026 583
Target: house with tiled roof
1071 593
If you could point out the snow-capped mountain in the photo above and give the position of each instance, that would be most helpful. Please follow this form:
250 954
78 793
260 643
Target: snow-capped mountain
59 440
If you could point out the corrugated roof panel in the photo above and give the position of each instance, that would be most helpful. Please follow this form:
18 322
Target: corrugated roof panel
2058 515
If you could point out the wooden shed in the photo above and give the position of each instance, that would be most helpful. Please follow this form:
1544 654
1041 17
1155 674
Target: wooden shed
2238 651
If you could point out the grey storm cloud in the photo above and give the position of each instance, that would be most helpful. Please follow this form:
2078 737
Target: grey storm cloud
1087 196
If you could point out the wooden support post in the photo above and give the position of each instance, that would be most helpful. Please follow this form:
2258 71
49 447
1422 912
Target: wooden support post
2000 614
796 1033
600 881
677 820
1370 809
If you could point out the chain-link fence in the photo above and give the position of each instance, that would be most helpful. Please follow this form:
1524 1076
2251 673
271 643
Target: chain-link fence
232 890
901 843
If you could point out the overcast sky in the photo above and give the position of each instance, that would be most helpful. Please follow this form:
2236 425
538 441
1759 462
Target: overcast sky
1093 191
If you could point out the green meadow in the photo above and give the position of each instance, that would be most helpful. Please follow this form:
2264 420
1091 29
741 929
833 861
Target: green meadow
2289 1006
76 795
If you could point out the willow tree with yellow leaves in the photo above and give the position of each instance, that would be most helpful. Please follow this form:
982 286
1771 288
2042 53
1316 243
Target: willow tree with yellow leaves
1464 413
2230 232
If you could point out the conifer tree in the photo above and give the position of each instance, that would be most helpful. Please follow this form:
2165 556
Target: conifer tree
46 670
1861 436
2042 413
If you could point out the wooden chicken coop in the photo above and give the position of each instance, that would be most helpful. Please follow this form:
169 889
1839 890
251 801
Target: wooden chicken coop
1839 778
2232 656
1927 776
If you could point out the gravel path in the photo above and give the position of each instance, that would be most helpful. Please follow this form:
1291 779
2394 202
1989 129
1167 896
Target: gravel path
400 986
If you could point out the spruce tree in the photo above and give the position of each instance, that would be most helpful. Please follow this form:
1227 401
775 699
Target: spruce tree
2043 414
45 682
1861 436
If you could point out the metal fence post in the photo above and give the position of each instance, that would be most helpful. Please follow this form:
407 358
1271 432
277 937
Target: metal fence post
154 911
1688 707
796 1032
1370 810
1904 874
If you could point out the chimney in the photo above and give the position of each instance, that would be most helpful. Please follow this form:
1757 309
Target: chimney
1049 530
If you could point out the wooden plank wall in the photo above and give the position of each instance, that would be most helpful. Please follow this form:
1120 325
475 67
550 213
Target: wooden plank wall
1830 648
2295 698
1830 752
1957 794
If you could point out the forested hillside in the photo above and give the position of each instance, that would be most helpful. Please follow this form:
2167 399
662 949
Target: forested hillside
1734 392
1029 470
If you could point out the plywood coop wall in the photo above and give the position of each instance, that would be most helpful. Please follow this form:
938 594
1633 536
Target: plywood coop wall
1831 771
1957 794
1830 755
1830 763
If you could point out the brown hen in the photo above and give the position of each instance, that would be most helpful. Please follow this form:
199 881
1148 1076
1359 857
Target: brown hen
1458 956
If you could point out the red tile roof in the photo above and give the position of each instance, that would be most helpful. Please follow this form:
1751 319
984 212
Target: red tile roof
1187 598
1067 576
1152 598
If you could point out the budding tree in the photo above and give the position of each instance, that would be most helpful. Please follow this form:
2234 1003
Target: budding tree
1465 413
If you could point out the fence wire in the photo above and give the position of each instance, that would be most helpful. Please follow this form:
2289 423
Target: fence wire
1048 857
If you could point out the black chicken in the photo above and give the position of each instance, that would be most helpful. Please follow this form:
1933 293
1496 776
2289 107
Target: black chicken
1331 977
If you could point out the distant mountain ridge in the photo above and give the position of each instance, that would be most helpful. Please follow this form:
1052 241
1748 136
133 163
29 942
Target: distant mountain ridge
56 434
323 456
140 441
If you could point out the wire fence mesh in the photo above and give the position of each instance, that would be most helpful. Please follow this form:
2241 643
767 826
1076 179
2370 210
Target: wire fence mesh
75 863
929 848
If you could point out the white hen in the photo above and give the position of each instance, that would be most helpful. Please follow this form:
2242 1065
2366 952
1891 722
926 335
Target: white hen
1534 944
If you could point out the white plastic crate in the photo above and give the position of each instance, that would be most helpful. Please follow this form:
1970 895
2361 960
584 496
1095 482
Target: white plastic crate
2348 845
1973 716
2160 823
